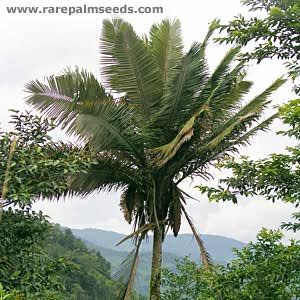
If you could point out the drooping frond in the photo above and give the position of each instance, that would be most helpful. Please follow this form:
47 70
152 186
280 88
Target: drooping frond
129 67
125 276
174 211
205 256
141 231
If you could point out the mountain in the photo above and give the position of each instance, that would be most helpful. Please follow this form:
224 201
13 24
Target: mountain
219 247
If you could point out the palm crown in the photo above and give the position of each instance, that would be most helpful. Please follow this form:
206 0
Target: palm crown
165 118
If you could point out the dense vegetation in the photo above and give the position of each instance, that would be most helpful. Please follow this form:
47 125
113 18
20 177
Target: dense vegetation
41 261
265 270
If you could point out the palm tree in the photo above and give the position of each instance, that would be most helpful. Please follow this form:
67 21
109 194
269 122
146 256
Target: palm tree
164 119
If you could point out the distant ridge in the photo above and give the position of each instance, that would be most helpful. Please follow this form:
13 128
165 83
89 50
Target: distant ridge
219 247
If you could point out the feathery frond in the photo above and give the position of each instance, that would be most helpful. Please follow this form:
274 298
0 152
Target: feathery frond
129 67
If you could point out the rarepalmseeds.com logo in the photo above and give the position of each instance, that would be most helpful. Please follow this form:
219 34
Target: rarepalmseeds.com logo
85 9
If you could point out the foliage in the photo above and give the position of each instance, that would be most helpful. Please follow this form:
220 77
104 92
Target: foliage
3 294
276 177
39 167
275 35
41 261
25 267
166 118
267 269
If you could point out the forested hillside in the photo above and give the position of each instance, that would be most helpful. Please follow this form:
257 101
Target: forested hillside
39 260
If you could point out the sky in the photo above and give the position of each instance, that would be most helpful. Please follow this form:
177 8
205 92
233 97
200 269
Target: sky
35 46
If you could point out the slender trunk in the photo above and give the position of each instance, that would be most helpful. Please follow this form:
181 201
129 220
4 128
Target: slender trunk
156 265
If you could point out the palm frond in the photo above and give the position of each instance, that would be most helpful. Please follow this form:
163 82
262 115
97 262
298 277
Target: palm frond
109 173
263 126
190 79
125 276
107 126
129 67
142 230
205 256
167 46
245 116
61 96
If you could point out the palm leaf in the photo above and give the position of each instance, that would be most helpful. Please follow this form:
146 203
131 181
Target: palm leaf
62 96
263 126
142 230
246 115
205 256
107 126
126 274
129 67
109 173
166 46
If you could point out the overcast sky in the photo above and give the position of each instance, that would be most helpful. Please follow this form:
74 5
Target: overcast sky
34 46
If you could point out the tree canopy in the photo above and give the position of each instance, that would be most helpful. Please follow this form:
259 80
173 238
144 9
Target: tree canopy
275 34
266 269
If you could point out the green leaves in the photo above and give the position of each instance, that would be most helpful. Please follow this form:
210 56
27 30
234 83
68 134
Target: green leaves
167 47
276 35
128 66
38 166
62 96
266 269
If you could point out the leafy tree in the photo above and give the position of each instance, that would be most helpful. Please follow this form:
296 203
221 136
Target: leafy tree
276 177
167 118
267 269
33 166
275 35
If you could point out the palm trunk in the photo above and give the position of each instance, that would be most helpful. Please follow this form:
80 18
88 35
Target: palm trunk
156 265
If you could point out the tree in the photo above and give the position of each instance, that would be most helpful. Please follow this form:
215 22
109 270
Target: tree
275 35
276 177
267 269
32 165
166 119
